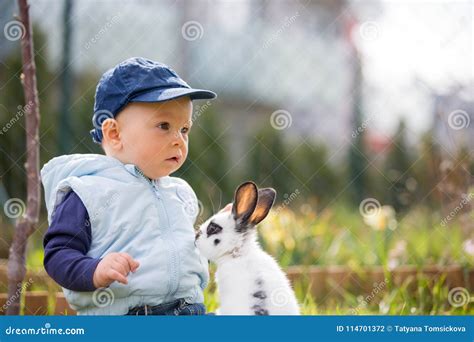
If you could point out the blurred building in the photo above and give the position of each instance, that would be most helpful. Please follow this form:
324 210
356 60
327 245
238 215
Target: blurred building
282 56
453 119
259 56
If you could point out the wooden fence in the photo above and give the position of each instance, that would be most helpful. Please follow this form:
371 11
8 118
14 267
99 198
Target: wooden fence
321 281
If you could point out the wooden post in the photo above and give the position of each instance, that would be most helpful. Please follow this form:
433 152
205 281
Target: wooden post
26 224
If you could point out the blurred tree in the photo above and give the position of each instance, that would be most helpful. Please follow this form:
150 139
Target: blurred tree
27 222
357 161
12 102
292 168
400 191
207 168
427 172
309 163
82 110
67 82
267 164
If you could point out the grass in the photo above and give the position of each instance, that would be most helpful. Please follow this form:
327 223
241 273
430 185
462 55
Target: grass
339 236
424 299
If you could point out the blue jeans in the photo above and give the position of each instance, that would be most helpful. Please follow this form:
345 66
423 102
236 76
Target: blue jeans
178 307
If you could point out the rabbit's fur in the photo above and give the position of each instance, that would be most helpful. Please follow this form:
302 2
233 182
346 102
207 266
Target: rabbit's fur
249 281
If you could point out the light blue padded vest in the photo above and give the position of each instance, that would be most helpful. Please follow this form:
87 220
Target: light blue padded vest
150 220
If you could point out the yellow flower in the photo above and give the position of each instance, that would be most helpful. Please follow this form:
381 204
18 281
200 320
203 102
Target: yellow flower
381 219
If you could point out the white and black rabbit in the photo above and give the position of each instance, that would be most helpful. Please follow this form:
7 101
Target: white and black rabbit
249 281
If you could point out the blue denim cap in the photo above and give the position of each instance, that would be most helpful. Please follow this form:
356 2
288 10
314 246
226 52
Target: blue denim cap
138 79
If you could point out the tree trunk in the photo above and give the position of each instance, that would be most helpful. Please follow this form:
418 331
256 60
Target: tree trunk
26 224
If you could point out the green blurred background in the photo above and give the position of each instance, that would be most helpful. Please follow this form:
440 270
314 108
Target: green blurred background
335 104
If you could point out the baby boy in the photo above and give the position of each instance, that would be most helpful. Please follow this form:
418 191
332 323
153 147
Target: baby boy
121 238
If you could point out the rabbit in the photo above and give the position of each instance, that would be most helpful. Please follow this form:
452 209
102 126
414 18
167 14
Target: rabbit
249 280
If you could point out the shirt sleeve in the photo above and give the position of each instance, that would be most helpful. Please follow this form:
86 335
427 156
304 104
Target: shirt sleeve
66 244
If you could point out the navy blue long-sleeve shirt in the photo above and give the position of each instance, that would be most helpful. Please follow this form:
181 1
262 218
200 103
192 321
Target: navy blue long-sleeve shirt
66 243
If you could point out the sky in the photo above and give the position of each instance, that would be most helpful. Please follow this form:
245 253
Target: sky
411 49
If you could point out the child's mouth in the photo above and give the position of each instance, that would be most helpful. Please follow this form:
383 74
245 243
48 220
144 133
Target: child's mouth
173 159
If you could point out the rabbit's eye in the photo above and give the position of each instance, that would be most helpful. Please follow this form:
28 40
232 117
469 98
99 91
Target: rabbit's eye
216 242
213 228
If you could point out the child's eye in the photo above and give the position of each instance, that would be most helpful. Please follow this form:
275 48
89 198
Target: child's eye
164 125
185 130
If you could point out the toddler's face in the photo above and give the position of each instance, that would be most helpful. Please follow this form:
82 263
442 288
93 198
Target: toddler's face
154 136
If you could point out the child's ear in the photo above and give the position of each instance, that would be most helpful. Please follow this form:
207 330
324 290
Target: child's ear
111 133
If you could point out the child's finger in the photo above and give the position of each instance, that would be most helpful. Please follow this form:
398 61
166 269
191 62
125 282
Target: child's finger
132 262
116 275
121 265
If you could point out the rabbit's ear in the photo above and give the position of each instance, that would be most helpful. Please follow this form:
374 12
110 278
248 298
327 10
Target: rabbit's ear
266 198
245 201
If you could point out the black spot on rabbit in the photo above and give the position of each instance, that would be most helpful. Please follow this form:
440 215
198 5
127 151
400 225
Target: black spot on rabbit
212 229
260 294
260 297
259 311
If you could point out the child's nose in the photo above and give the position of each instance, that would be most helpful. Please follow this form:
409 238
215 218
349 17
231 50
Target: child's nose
178 138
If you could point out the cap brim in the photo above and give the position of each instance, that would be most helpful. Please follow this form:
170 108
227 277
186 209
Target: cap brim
159 95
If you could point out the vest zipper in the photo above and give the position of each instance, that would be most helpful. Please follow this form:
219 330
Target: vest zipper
173 285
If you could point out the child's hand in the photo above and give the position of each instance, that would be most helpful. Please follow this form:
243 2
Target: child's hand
114 266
